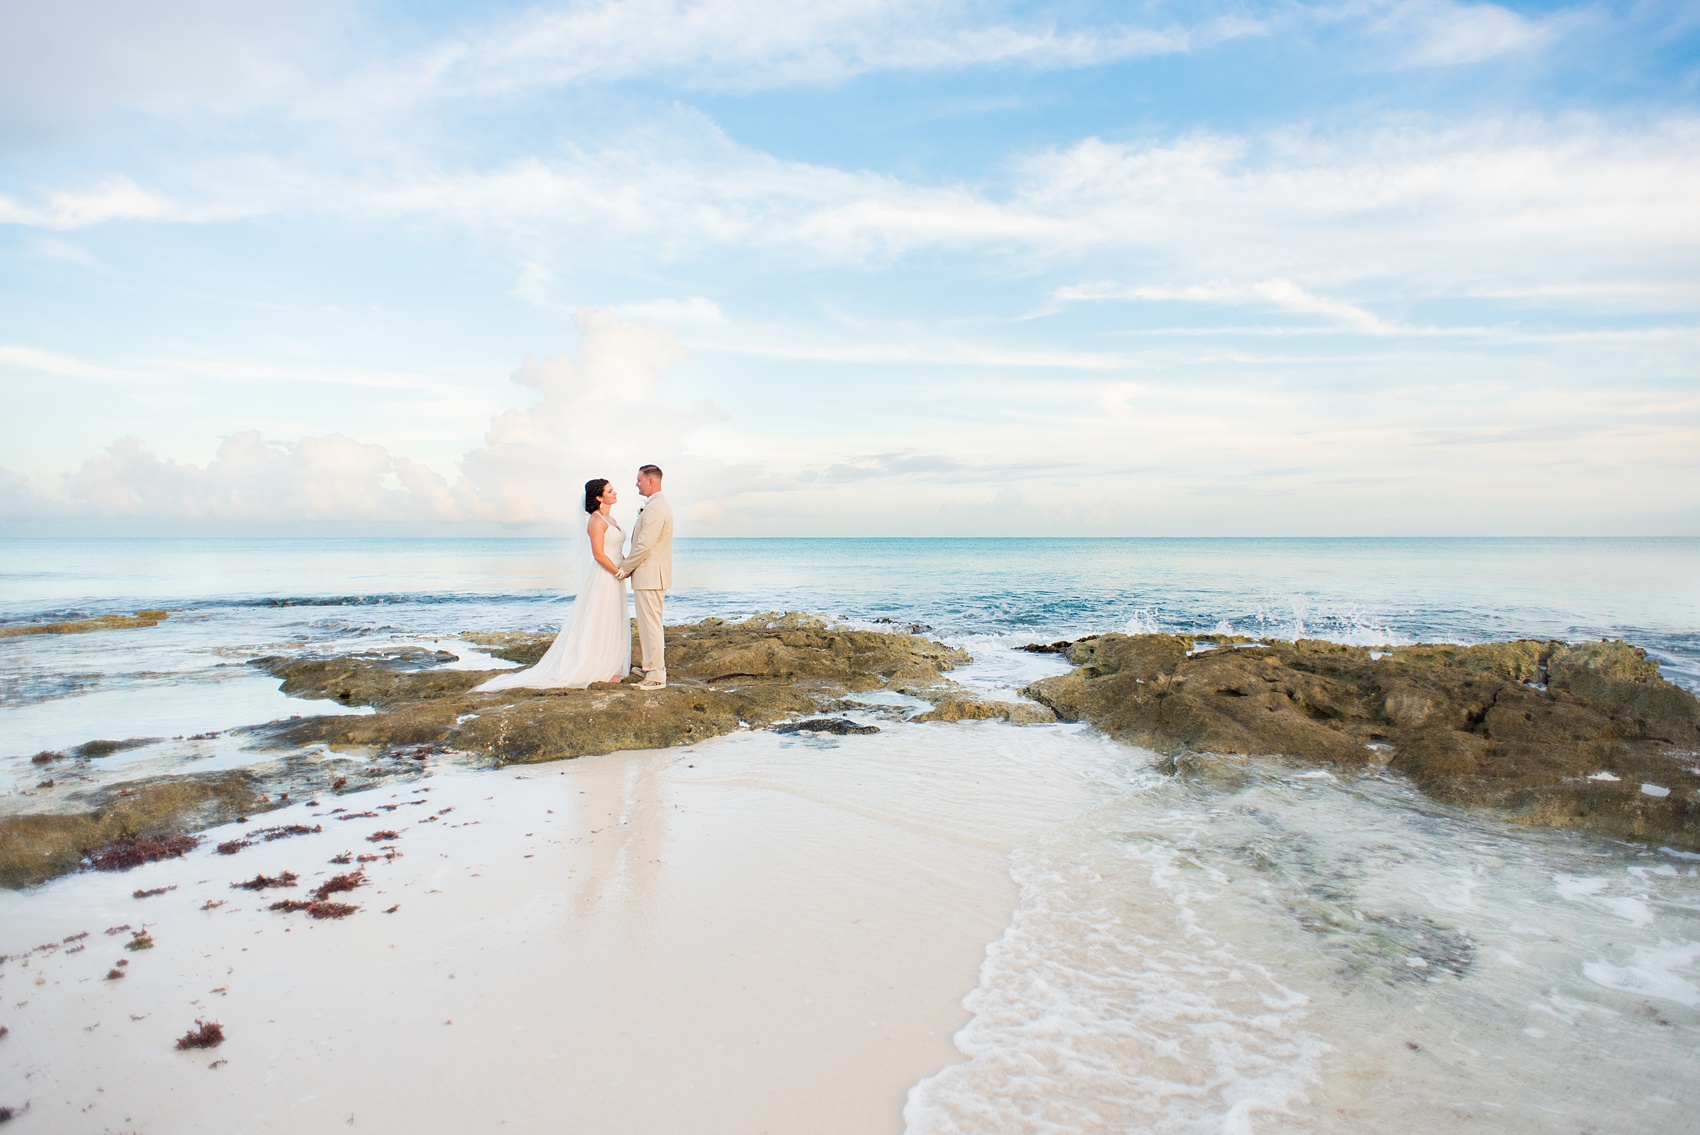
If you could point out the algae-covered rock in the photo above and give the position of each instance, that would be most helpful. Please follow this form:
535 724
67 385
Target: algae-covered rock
1516 725
86 626
40 846
965 706
721 676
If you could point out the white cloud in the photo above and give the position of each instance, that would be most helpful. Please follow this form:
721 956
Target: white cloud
116 199
1278 293
1508 207
1442 33
752 44
51 362
325 478
603 413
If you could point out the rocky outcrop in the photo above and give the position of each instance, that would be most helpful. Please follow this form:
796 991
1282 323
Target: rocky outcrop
721 676
40 846
1586 735
958 704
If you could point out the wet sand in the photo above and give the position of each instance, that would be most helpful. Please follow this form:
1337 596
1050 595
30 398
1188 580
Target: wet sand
756 934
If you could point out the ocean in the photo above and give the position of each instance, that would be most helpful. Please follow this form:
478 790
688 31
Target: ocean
1289 951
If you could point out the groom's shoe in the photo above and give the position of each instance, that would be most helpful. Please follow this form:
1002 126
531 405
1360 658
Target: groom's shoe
649 684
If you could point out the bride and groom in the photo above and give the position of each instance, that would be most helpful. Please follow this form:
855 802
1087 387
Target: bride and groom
595 644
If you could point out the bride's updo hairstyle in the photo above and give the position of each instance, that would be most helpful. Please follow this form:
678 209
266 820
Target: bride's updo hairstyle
592 493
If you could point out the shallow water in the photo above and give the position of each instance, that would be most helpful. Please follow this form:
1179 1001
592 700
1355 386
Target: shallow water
1297 952
1281 951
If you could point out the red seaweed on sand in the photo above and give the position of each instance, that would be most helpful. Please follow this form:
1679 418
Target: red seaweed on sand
123 854
318 908
338 883
284 831
205 1034
261 882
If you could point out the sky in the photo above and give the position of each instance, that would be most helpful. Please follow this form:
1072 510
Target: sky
851 267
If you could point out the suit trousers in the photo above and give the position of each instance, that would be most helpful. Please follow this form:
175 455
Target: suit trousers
650 636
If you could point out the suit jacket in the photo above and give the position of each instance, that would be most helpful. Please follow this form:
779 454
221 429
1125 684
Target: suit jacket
650 560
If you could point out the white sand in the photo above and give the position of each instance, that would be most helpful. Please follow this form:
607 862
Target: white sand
777 939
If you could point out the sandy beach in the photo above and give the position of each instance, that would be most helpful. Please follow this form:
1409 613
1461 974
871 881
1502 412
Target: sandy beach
756 934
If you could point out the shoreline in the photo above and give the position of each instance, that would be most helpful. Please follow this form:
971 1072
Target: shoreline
721 937
1588 736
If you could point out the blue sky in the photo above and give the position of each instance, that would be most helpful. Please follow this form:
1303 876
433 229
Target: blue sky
854 267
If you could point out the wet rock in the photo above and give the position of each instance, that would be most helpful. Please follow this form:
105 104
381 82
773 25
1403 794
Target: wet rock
1061 647
366 679
37 847
838 726
85 626
965 706
1475 726
91 749
721 676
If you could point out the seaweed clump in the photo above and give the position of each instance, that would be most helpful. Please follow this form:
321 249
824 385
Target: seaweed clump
339 883
264 882
317 908
124 854
205 1034
285 831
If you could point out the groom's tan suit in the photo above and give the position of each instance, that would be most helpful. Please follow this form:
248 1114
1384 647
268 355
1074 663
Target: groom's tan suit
650 564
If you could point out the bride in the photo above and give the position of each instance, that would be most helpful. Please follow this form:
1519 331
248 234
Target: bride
595 645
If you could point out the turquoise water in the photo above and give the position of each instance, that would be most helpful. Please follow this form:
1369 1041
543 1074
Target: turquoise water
1364 591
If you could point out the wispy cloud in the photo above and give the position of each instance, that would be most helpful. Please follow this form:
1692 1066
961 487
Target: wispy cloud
754 44
1442 33
116 199
51 362
1283 295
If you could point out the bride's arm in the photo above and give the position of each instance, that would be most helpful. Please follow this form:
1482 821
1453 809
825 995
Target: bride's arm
597 527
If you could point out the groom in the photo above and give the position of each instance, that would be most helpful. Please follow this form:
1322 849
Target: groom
650 567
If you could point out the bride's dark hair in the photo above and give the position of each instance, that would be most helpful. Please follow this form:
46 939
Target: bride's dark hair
593 490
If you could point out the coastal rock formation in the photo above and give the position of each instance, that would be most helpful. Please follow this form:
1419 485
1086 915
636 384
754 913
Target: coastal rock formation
957 704
720 676
1586 736
39 846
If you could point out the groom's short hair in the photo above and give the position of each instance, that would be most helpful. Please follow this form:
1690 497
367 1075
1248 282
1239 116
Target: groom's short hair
650 471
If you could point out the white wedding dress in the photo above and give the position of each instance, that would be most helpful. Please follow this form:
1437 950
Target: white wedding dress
596 642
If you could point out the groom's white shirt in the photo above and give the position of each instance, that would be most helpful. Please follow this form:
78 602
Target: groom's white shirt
650 561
